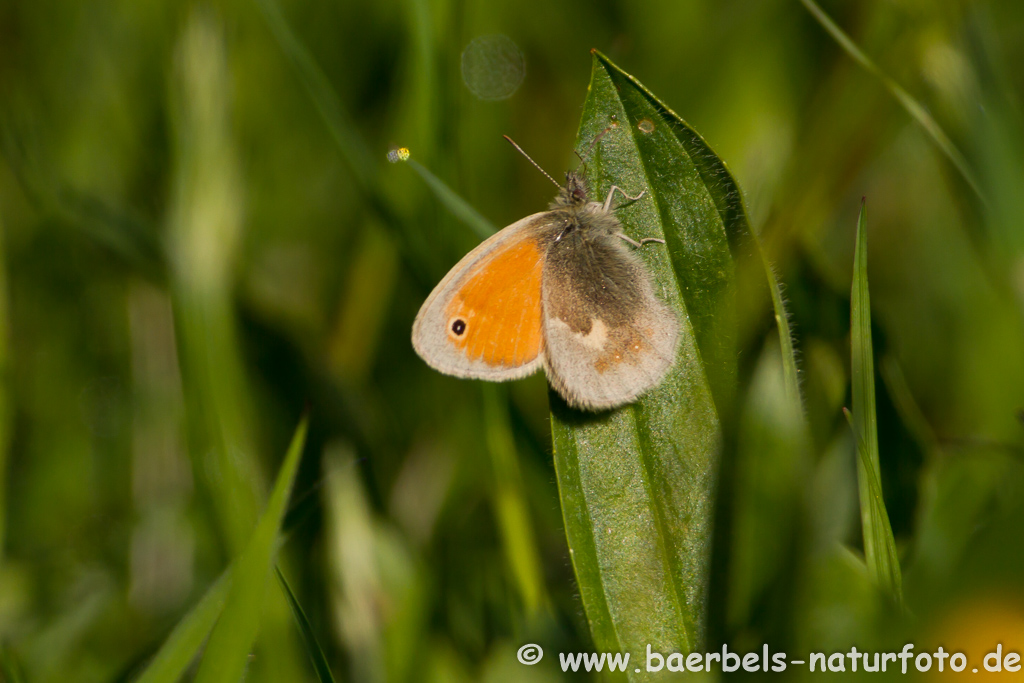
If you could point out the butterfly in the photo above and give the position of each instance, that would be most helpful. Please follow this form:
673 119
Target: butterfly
561 289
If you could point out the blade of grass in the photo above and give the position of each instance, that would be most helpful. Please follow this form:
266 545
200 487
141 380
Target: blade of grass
188 635
510 503
903 399
6 406
228 648
204 232
424 93
458 206
364 166
885 567
789 366
182 645
772 466
354 562
316 653
361 162
133 240
879 546
9 667
911 105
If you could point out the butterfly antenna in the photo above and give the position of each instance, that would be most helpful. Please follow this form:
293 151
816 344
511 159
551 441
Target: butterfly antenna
536 165
583 162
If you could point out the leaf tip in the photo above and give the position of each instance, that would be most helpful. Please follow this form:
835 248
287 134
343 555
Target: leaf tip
599 56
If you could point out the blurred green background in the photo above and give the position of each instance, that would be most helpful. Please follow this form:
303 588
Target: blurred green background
202 238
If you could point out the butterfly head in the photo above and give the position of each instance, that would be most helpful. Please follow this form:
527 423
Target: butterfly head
573 194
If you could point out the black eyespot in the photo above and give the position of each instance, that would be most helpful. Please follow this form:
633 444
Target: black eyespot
459 326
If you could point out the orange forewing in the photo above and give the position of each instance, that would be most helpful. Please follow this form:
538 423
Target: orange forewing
500 303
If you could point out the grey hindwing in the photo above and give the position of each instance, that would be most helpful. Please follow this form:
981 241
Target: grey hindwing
607 337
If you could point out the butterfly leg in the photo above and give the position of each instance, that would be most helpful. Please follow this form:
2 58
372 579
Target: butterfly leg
611 193
642 242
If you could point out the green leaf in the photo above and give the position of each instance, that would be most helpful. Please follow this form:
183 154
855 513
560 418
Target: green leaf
228 648
637 483
879 545
316 653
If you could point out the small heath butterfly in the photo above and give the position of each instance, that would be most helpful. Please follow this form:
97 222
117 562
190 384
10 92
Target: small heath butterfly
563 289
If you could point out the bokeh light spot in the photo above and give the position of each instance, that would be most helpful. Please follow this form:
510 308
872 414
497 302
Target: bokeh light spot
400 154
493 67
